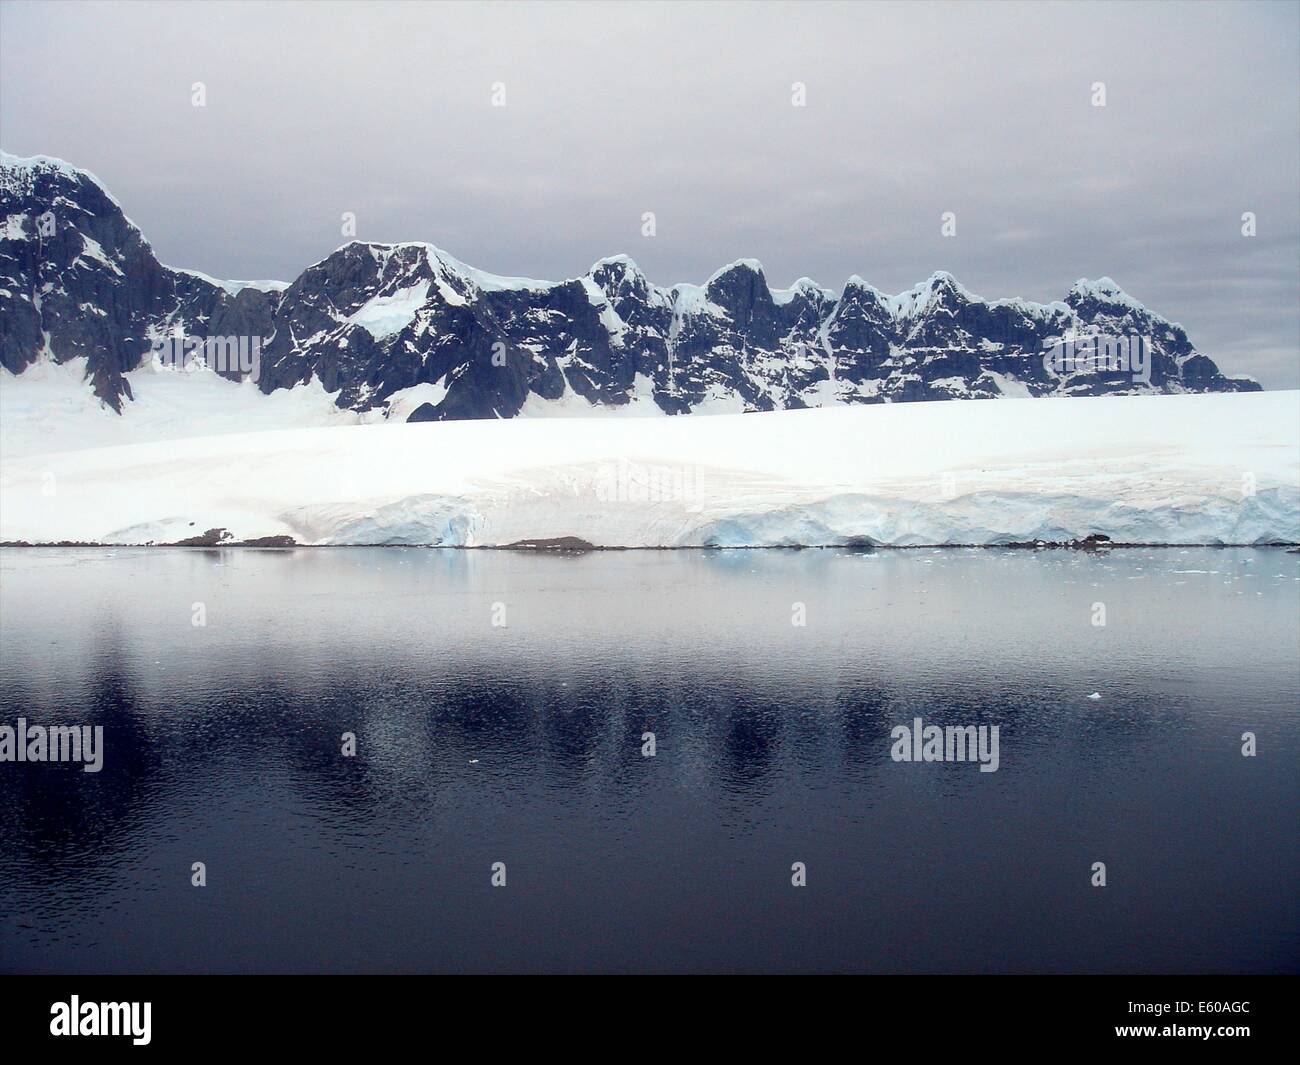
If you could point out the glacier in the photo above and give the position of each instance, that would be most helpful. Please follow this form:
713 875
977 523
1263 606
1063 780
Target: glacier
1216 468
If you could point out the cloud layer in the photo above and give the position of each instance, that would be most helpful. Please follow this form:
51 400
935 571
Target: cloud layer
685 110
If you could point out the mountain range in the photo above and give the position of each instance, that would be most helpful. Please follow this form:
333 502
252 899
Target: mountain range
374 321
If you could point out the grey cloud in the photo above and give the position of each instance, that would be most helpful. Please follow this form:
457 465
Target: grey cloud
684 110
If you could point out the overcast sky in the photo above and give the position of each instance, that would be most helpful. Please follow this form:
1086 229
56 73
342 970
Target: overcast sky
613 110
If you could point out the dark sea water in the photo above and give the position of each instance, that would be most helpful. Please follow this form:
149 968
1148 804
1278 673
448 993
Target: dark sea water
481 743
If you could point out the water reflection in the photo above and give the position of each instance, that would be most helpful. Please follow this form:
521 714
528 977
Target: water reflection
523 743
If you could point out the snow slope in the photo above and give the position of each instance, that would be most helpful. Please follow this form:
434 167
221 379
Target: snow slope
51 407
1216 468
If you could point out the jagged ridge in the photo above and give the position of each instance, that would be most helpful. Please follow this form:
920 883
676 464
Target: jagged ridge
372 320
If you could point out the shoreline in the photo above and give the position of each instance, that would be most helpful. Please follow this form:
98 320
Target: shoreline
1290 546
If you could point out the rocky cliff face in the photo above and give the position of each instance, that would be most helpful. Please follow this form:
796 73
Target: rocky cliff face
78 279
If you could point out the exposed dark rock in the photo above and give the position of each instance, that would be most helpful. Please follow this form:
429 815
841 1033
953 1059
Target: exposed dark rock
58 543
425 412
564 544
211 538
1091 542
77 279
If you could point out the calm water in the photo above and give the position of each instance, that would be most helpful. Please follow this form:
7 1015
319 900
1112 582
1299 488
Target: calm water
522 744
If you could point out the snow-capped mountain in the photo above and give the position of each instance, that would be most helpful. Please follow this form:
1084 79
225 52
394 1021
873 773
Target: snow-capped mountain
79 280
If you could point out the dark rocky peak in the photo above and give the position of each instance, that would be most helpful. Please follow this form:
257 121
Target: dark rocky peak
939 294
631 295
619 278
1104 299
739 288
1108 309
371 320
803 308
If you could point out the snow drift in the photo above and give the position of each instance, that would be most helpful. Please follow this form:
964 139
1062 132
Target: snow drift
1193 469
